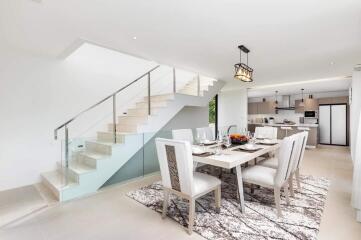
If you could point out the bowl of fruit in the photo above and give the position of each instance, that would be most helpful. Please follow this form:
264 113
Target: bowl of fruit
240 139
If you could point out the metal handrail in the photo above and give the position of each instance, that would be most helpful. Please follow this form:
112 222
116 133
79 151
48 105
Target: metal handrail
64 125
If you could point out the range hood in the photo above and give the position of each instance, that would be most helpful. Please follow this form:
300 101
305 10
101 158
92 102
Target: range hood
285 103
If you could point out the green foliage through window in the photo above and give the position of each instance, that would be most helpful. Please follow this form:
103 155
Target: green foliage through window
212 110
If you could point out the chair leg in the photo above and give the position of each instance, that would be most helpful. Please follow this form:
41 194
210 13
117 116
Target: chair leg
290 183
217 197
191 215
298 179
195 165
287 194
165 203
277 195
252 188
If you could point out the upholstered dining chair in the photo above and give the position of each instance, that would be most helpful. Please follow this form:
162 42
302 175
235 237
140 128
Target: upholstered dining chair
274 178
207 132
266 132
300 146
297 162
176 164
183 134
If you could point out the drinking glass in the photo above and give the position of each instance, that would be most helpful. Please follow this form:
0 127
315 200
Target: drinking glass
228 142
219 144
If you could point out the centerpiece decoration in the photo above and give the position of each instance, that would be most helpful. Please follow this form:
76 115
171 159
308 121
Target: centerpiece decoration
237 138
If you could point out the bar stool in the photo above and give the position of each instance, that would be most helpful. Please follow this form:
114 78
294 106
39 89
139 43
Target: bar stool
286 129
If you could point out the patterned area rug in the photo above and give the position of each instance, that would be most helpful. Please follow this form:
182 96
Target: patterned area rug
301 219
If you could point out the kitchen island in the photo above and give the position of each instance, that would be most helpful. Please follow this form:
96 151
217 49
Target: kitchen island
312 134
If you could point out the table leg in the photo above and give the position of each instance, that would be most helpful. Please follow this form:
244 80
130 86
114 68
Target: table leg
240 187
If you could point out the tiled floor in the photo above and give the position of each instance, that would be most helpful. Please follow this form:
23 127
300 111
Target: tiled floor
16 203
112 215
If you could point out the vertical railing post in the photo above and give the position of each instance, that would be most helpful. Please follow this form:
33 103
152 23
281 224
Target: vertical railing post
198 86
66 154
114 119
174 82
149 112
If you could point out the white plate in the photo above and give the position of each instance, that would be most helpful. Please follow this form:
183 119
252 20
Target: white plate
208 142
249 147
268 141
196 150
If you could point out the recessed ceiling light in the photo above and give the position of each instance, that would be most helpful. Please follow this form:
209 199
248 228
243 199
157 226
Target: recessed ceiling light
332 63
134 38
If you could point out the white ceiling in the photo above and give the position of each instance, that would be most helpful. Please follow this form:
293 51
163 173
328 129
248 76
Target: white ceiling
289 40
294 88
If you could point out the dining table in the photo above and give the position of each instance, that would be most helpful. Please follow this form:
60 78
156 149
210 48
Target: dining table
234 157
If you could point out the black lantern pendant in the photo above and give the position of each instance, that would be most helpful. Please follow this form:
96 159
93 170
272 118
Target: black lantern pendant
302 103
242 71
276 100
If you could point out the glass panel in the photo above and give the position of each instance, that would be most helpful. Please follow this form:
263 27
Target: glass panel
131 153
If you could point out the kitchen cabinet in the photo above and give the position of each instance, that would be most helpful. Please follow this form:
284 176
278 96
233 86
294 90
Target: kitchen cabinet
333 100
261 108
266 108
311 104
298 108
253 108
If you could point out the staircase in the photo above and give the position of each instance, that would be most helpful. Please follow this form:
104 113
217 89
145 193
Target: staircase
91 166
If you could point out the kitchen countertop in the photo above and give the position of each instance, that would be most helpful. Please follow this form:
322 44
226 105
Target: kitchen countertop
286 125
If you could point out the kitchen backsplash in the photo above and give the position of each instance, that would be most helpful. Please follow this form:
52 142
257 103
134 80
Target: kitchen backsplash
289 115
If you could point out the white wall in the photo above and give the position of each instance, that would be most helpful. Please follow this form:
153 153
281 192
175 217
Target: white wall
233 108
189 117
38 93
355 108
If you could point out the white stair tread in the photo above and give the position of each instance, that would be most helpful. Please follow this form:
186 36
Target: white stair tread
108 132
80 168
96 155
105 142
146 107
57 180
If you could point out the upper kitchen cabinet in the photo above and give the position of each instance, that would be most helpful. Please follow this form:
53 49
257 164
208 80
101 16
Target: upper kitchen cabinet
266 108
261 108
311 104
253 108
333 100
298 107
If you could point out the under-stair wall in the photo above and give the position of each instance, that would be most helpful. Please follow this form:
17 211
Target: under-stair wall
145 161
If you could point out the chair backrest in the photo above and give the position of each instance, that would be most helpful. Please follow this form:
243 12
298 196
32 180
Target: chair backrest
205 131
285 160
176 164
303 136
183 134
266 132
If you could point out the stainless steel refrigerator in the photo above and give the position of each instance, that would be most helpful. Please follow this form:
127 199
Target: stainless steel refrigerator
333 124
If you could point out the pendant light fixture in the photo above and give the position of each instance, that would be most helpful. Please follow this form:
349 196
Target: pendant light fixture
242 71
302 104
276 101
